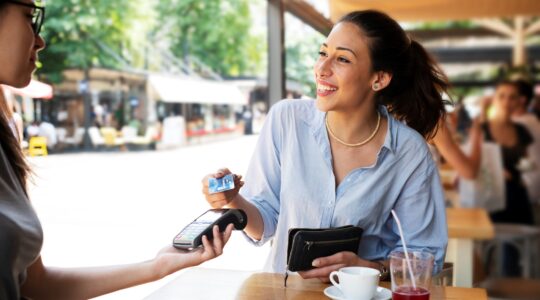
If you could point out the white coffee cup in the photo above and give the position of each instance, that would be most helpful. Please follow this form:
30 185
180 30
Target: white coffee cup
357 283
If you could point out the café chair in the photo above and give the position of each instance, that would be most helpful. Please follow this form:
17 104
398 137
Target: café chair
95 137
76 139
110 137
512 288
524 238
445 276
129 134
37 146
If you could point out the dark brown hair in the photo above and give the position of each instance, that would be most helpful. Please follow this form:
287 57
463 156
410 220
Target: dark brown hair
9 141
414 94
526 89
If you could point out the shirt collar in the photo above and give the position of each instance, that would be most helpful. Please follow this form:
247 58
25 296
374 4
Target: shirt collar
391 131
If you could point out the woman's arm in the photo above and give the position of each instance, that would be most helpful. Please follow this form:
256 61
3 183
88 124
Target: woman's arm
255 225
466 166
83 283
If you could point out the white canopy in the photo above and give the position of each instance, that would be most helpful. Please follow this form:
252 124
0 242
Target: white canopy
186 90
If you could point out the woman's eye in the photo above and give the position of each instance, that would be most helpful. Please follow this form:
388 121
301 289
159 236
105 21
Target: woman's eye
322 53
343 59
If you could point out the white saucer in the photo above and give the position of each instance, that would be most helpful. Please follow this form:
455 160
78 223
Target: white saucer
334 293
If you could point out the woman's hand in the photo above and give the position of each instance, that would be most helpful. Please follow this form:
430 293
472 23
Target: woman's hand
218 200
170 259
325 265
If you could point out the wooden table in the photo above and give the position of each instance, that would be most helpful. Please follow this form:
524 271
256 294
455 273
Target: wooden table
201 283
465 225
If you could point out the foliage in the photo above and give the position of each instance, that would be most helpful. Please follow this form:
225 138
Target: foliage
215 32
116 34
302 46
85 33
460 24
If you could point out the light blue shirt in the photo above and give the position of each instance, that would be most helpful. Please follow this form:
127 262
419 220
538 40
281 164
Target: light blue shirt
291 181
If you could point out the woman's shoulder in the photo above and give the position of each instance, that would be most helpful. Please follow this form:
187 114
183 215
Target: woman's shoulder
302 109
406 133
406 138
295 104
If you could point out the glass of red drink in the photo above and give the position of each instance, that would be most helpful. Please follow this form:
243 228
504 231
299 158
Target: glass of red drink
421 267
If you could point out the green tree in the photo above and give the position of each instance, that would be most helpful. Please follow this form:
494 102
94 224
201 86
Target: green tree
302 45
86 33
215 32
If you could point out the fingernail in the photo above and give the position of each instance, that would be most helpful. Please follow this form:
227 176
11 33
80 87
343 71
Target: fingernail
315 263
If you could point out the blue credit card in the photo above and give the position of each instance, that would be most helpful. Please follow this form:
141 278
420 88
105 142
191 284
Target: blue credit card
217 185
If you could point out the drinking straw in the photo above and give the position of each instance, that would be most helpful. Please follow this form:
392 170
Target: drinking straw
404 248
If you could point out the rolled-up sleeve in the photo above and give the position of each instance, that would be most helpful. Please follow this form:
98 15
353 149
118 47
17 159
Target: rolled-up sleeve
422 214
263 178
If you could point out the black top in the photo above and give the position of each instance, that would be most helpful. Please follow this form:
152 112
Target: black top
21 235
513 154
517 209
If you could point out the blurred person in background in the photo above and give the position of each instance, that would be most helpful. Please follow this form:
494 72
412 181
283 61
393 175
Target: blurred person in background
47 130
22 273
344 158
531 174
32 129
514 140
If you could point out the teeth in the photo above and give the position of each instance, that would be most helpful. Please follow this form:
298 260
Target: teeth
325 88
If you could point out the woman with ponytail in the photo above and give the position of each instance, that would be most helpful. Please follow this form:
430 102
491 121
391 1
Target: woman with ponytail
344 159
22 273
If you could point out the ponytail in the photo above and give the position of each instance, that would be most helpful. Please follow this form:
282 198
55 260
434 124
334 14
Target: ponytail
414 94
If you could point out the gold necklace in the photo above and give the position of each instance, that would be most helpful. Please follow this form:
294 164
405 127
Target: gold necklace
357 144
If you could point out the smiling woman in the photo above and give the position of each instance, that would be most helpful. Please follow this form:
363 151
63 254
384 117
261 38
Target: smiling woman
344 159
22 273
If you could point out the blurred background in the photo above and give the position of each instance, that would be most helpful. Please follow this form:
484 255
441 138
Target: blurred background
138 100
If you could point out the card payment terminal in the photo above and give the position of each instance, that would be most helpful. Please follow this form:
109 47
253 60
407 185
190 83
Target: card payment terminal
191 236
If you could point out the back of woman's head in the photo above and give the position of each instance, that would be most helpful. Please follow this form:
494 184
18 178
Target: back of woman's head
414 94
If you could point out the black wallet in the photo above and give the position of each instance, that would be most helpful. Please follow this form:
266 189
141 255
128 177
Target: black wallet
307 244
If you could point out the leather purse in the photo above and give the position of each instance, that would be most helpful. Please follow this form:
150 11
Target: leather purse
307 244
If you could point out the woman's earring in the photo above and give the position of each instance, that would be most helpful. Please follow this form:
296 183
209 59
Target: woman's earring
375 86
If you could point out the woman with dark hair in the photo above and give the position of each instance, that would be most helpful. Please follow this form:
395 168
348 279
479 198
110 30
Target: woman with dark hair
514 140
22 273
344 159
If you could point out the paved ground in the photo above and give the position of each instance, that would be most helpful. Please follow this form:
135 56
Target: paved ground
122 207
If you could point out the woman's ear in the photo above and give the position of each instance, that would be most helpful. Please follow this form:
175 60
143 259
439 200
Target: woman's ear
380 80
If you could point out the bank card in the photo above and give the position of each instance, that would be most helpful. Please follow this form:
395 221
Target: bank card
218 185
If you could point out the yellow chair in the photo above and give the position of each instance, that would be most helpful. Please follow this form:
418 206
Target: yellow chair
37 146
